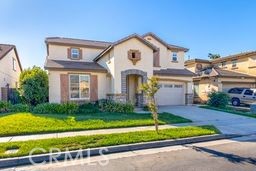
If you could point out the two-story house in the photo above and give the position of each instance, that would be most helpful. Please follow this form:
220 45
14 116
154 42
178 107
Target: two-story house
87 70
221 74
10 69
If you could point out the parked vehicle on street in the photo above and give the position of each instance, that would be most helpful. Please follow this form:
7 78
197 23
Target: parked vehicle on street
242 96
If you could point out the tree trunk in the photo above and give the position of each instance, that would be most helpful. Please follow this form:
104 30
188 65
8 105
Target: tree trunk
156 121
155 115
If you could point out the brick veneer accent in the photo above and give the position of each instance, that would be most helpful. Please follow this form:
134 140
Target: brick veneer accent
64 88
94 88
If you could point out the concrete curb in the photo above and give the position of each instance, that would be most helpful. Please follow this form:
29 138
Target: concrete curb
18 161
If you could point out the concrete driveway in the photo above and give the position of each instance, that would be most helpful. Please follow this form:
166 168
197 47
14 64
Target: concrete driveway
227 123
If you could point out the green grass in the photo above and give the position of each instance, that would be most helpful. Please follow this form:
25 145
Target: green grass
28 123
92 141
230 110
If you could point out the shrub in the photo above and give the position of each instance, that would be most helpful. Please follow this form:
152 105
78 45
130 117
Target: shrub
111 106
4 106
19 108
88 108
34 85
145 108
218 99
15 97
54 108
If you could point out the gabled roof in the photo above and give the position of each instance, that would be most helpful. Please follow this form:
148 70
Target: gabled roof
73 65
77 42
221 59
191 61
173 72
5 49
123 40
169 46
217 72
233 57
228 73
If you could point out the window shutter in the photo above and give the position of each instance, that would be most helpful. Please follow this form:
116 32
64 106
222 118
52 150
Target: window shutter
69 53
137 54
80 53
156 60
64 88
129 54
94 88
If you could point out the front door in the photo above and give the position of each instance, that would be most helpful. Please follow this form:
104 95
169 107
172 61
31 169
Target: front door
133 83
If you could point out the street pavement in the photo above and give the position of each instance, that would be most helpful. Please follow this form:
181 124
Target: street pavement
237 154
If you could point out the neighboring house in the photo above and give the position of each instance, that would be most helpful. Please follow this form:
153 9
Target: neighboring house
10 69
221 74
87 70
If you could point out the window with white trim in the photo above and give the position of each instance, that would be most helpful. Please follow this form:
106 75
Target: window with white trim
234 62
14 64
75 53
174 56
79 86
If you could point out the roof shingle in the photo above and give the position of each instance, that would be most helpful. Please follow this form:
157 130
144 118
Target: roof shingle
173 72
73 65
78 42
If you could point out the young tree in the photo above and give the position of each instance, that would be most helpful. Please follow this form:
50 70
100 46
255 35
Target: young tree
150 89
213 56
34 85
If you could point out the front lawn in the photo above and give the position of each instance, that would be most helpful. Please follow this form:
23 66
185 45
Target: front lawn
28 123
92 141
231 110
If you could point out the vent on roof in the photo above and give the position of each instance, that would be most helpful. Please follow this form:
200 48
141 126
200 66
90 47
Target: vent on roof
208 71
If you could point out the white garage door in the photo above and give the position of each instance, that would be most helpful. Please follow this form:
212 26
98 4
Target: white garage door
171 93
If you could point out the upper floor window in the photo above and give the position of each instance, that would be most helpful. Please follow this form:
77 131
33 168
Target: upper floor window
223 64
174 56
234 62
14 64
75 53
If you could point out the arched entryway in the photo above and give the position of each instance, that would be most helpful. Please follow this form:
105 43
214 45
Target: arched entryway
130 82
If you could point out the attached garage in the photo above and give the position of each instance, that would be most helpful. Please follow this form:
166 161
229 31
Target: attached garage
171 93
226 86
175 87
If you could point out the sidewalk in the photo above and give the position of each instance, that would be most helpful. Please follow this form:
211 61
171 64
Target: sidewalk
87 132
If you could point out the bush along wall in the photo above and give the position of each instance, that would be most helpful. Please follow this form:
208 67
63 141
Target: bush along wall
218 99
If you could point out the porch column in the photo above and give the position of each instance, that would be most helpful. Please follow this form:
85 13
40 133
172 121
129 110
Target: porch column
189 93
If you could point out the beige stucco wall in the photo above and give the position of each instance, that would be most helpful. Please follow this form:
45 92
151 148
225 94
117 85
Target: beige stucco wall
122 62
207 85
108 62
54 84
59 52
245 65
7 74
166 55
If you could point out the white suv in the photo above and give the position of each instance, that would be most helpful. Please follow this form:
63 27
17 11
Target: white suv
242 96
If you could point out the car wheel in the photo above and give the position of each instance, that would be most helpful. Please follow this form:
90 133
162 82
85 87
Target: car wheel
235 102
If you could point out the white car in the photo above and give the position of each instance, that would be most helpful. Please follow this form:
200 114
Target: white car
242 96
